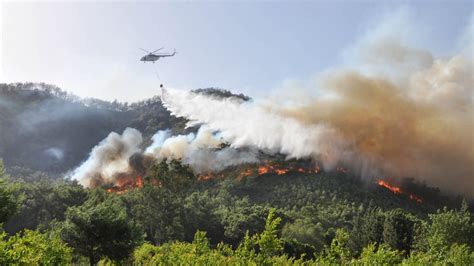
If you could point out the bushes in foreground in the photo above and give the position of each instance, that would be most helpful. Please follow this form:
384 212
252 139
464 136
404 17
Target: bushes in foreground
33 248
266 248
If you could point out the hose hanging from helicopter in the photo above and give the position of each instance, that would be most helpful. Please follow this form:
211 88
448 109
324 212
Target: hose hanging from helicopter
153 56
156 72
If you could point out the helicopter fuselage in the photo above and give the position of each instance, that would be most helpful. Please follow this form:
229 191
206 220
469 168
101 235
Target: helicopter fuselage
150 58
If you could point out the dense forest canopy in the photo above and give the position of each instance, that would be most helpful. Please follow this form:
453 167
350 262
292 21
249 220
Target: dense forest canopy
172 216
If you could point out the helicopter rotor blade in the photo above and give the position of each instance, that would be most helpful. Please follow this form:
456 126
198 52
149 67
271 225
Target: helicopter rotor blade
166 54
157 50
144 50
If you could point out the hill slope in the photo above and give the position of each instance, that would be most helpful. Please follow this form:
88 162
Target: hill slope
43 128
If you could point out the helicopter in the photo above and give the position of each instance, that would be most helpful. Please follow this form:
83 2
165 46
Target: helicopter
153 56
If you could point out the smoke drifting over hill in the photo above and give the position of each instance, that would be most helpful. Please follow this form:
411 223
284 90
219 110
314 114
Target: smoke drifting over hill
399 111
369 125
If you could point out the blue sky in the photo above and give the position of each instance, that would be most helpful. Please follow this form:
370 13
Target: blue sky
91 48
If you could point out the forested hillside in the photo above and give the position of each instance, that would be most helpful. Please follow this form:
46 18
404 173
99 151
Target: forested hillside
246 214
315 218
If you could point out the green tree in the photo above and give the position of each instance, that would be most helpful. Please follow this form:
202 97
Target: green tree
338 252
172 175
368 227
143 253
241 216
459 255
100 228
8 203
304 231
159 212
45 201
381 255
296 249
449 227
200 212
246 248
398 230
454 255
447 238
34 248
268 241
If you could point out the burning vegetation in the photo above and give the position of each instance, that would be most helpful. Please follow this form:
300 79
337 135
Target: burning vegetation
279 168
126 184
129 182
397 190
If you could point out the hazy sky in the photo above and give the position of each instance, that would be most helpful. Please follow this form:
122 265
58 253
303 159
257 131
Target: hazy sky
91 48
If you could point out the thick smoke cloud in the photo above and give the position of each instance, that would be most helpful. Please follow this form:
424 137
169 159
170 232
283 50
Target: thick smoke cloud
250 125
120 158
400 112
109 159
204 152
423 130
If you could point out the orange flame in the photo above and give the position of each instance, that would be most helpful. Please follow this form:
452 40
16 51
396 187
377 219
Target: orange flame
139 181
274 169
267 168
415 198
208 176
125 184
279 169
394 189
245 173
397 190
263 170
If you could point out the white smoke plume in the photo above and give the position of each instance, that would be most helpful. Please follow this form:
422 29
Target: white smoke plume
109 159
245 125
203 152
55 153
120 158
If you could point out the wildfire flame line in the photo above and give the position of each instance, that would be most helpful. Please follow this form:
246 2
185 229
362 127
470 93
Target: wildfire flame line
124 187
129 183
398 190
274 168
268 168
